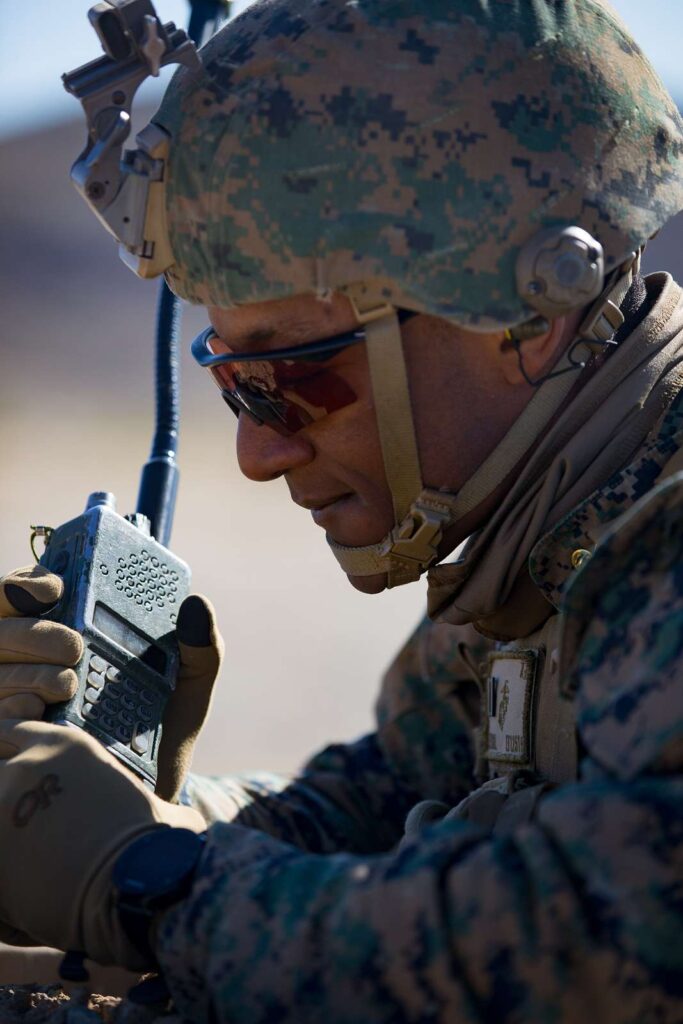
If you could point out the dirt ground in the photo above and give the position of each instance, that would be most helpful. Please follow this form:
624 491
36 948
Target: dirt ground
30 992
33 1004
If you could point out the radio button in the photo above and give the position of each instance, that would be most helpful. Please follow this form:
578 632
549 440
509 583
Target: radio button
122 734
140 742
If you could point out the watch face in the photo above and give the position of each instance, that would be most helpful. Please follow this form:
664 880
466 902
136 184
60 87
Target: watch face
158 862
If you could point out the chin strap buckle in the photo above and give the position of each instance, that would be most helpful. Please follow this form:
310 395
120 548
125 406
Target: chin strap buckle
604 317
413 545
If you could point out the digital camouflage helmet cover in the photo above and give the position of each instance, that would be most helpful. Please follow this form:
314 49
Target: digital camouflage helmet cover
414 147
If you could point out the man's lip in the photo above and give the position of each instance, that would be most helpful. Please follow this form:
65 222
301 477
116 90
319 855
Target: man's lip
316 505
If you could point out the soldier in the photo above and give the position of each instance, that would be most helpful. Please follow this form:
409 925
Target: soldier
417 231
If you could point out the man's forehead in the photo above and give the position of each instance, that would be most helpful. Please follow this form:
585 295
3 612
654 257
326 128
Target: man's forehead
276 323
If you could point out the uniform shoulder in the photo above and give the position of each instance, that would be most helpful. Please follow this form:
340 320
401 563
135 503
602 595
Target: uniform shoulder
622 639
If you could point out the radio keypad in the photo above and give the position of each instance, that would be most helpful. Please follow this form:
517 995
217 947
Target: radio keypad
96 679
118 705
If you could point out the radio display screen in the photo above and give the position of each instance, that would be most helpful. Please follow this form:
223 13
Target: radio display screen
131 639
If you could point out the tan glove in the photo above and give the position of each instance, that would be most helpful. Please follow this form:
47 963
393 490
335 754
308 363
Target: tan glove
37 658
67 810
201 653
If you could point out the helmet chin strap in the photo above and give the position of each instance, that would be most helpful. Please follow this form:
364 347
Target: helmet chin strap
412 545
421 515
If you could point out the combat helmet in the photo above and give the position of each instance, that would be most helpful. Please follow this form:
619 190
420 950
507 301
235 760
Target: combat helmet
484 161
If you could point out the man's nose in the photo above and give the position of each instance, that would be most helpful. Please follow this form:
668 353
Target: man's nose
263 454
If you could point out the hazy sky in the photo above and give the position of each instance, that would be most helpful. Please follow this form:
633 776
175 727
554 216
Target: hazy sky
39 39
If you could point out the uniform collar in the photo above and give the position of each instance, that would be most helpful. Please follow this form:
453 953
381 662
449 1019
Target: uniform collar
557 555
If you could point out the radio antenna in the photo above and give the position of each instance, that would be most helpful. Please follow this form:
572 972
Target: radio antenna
159 478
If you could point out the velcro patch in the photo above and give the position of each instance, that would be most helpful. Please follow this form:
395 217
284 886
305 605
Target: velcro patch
510 690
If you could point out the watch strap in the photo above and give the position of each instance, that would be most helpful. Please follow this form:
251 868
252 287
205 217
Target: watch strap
139 897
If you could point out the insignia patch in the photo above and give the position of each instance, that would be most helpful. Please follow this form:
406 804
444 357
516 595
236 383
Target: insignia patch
510 688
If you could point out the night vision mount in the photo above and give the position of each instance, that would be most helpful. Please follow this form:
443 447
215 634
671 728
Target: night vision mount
124 188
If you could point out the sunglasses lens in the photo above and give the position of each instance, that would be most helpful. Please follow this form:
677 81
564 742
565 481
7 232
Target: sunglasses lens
285 394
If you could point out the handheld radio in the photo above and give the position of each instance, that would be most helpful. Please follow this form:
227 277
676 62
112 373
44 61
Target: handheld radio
122 585
122 591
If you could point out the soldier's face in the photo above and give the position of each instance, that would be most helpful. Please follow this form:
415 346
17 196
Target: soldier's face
465 394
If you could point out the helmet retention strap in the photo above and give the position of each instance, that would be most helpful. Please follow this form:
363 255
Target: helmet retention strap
394 412
413 543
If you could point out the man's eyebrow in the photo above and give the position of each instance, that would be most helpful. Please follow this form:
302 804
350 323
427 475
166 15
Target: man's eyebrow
291 331
261 334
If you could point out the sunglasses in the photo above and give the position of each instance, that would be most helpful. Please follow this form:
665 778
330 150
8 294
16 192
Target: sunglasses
287 388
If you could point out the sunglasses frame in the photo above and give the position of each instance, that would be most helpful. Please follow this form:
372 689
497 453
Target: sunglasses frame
310 352
203 355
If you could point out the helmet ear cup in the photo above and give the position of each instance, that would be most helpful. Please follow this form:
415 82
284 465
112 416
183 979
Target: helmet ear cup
560 269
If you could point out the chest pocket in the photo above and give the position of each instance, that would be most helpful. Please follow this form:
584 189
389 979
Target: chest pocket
530 725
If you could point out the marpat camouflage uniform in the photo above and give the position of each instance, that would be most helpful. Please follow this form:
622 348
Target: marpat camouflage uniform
307 911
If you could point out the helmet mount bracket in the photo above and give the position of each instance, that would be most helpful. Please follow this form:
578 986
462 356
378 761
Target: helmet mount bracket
119 185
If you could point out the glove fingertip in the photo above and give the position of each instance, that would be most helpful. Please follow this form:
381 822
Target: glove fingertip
195 625
25 602
30 591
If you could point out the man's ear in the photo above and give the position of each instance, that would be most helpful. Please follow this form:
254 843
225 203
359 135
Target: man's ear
538 354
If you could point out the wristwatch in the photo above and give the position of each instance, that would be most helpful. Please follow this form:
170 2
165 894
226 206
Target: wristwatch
151 874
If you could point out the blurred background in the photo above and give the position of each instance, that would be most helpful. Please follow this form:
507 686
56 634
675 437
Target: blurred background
304 651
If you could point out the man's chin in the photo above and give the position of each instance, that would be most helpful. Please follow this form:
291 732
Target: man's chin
374 584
